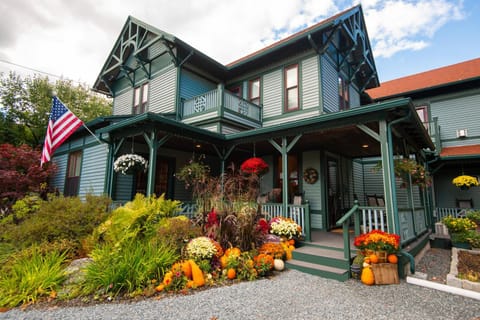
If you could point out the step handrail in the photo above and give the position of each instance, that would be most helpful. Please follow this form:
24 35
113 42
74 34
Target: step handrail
344 222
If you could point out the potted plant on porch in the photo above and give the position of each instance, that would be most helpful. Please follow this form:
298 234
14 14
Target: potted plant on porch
459 229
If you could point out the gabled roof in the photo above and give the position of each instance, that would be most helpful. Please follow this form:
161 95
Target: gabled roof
429 80
132 50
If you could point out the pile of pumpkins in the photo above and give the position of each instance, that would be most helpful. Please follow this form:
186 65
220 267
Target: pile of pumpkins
367 277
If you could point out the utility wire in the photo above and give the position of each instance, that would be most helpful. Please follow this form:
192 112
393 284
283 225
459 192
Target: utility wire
38 71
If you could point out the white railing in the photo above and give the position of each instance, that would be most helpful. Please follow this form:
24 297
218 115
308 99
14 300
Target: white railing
373 218
211 100
241 106
440 213
297 213
201 103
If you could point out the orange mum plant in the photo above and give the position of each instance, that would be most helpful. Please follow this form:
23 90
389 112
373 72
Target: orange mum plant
377 240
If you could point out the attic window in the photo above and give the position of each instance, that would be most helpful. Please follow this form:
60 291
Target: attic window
140 99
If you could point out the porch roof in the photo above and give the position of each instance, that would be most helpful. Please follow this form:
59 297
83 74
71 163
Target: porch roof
338 132
460 152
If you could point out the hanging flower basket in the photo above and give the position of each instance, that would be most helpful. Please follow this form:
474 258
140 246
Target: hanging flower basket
130 164
465 182
254 165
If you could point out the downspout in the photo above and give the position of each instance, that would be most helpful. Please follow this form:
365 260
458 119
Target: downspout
394 190
392 169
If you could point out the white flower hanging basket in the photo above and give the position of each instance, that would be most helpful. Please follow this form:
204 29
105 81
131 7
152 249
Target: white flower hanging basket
130 163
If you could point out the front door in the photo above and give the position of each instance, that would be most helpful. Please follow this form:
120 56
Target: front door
163 178
333 192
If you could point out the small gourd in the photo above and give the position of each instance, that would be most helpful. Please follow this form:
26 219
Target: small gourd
197 274
278 264
367 276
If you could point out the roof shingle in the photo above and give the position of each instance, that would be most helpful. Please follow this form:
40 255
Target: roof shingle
426 80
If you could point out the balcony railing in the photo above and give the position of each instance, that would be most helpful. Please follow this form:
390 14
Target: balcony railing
434 131
222 102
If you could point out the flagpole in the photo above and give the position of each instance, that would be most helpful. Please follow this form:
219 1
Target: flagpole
54 94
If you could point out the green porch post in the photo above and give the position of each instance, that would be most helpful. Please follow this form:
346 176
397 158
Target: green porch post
284 149
389 190
113 150
153 146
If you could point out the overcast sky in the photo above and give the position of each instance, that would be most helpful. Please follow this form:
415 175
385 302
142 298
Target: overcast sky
72 38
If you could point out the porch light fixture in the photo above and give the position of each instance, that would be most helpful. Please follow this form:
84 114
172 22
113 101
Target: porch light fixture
198 146
364 146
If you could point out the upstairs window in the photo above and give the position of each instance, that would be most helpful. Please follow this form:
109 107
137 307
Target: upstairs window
343 94
140 99
291 87
423 115
254 91
237 90
72 181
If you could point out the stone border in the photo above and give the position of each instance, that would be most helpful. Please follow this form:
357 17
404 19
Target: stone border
452 279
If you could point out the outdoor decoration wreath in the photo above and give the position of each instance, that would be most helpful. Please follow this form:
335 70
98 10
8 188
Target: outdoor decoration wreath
310 175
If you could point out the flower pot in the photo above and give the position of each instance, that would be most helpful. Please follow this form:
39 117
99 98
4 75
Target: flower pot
464 188
461 245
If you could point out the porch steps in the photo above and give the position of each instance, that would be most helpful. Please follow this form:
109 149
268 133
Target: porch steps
323 261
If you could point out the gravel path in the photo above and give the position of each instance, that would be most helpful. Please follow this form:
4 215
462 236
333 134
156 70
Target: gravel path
436 264
289 295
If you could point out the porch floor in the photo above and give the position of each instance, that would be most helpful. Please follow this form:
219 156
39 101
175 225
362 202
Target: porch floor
333 239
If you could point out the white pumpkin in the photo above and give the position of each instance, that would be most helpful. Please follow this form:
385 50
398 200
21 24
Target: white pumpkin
278 264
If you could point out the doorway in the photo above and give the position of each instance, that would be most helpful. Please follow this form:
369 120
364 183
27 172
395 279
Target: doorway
164 181
334 192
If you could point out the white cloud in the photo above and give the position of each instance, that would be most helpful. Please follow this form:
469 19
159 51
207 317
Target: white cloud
73 38
395 26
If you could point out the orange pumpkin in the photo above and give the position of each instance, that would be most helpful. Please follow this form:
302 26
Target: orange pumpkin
373 258
231 274
392 258
235 252
224 261
187 269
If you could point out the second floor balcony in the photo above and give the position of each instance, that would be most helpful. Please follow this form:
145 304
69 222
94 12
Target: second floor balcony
223 104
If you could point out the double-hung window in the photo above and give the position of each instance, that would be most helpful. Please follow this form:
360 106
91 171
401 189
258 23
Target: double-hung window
72 180
140 99
343 94
291 87
254 91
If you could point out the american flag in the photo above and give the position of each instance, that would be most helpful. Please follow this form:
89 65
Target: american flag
61 124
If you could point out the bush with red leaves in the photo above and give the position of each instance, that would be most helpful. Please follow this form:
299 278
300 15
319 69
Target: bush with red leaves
20 173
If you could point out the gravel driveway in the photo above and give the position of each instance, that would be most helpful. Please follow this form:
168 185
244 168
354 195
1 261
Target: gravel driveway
289 295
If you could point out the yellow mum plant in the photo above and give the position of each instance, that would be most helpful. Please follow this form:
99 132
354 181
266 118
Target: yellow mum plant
465 181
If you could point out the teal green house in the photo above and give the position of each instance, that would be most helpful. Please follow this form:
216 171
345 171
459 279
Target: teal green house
301 104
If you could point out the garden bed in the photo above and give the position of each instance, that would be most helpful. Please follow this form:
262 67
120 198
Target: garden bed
465 266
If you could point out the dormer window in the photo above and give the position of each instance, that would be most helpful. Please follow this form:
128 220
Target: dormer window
291 87
254 91
140 99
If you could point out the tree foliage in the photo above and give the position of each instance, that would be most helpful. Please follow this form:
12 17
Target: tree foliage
25 105
21 173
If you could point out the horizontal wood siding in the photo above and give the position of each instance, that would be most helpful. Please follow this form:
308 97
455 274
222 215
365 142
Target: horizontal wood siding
192 85
123 187
122 104
310 83
313 192
58 180
455 114
162 91
272 94
329 86
94 164
156 49
227 129
354 97
358 182
292 117
211 127
201 116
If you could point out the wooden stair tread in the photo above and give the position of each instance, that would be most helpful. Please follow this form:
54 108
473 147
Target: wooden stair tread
323 252
316 266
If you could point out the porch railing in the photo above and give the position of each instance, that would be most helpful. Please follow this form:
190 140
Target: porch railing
298 213
217 99
440 213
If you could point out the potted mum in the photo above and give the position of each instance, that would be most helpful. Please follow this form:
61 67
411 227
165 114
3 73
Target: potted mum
464 182
379 242
130 163
285 228
459 230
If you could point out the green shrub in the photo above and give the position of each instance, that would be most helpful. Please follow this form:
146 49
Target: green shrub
127 268
137 219
178 231
59 218
475 216
30 276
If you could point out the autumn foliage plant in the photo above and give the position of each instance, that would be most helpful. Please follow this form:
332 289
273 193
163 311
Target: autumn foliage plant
377 240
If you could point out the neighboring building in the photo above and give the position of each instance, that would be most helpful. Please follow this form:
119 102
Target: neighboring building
297 103
447 100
